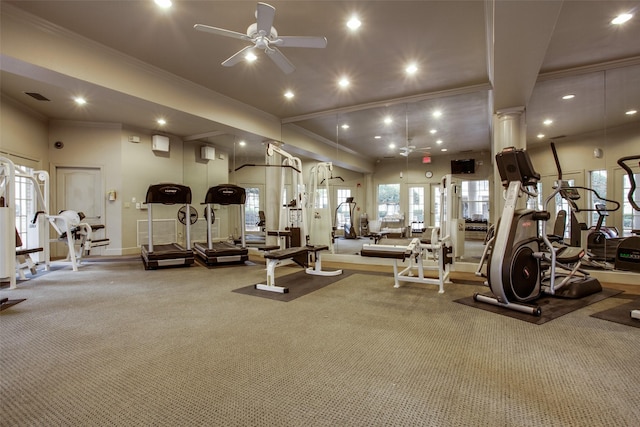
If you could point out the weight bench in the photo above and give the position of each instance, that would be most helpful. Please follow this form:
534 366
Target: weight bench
414 252
301 255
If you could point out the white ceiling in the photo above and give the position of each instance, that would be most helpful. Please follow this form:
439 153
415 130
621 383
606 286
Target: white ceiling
569 47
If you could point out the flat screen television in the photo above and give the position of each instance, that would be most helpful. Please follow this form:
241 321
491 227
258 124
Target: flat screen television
463 166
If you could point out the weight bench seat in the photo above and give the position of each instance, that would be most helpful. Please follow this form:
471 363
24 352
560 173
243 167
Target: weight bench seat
221 253
383 251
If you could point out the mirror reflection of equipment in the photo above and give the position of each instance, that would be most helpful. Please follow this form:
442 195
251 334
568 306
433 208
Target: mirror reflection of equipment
628 251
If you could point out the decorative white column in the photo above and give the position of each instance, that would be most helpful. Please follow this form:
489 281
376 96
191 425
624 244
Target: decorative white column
509 130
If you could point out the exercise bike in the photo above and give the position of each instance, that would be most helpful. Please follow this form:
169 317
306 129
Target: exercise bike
522 262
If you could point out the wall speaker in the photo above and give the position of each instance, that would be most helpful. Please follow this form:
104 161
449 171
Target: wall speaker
207 152
160 143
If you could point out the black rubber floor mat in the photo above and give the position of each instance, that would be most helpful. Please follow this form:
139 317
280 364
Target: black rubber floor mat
552 307
621 314
299 284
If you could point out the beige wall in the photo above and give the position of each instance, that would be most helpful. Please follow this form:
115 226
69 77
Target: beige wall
93 145
23 133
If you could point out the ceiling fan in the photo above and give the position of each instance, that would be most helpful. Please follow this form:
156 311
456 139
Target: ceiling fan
408 149
264 36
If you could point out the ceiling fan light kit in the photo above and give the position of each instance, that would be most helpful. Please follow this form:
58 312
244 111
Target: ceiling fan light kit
264 37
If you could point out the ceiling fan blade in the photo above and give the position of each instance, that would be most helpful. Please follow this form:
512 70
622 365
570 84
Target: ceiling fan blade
300 41
221 32
281 61
237 57
264 18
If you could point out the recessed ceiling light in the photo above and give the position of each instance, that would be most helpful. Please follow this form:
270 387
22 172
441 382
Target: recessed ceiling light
377 137
631 112
547 122
79 100
433 131
540 135
161 122
569 96
387 120
250 56
165 4
353 23
392 145
345 126
437 113
439 142
242 143
344 82
411 68
443 149
288 94
622 18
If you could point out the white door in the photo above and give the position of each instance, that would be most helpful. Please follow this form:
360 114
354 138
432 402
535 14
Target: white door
80 189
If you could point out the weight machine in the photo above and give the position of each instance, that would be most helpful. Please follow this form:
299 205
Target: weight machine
319 209
292 223
522 263
77 235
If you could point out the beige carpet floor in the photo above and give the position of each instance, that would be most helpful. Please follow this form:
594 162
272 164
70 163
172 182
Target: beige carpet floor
113 344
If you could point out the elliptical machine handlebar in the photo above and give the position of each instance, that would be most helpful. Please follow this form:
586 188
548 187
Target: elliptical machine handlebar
569 193
622 162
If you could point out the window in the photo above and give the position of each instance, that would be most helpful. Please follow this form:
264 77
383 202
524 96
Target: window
598 181
343 213
475 200
630 217
252 209
388 200
321 199
416 207
25 196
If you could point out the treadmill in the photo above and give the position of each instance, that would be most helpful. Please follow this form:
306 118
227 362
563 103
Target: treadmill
218 253
171 254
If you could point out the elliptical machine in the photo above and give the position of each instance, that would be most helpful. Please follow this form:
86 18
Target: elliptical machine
522 263
628 251
349 228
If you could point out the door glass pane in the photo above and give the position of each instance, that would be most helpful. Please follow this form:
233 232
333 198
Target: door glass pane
388 200
416 207
252 209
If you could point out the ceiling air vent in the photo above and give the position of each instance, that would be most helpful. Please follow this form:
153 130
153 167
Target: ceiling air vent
36 95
